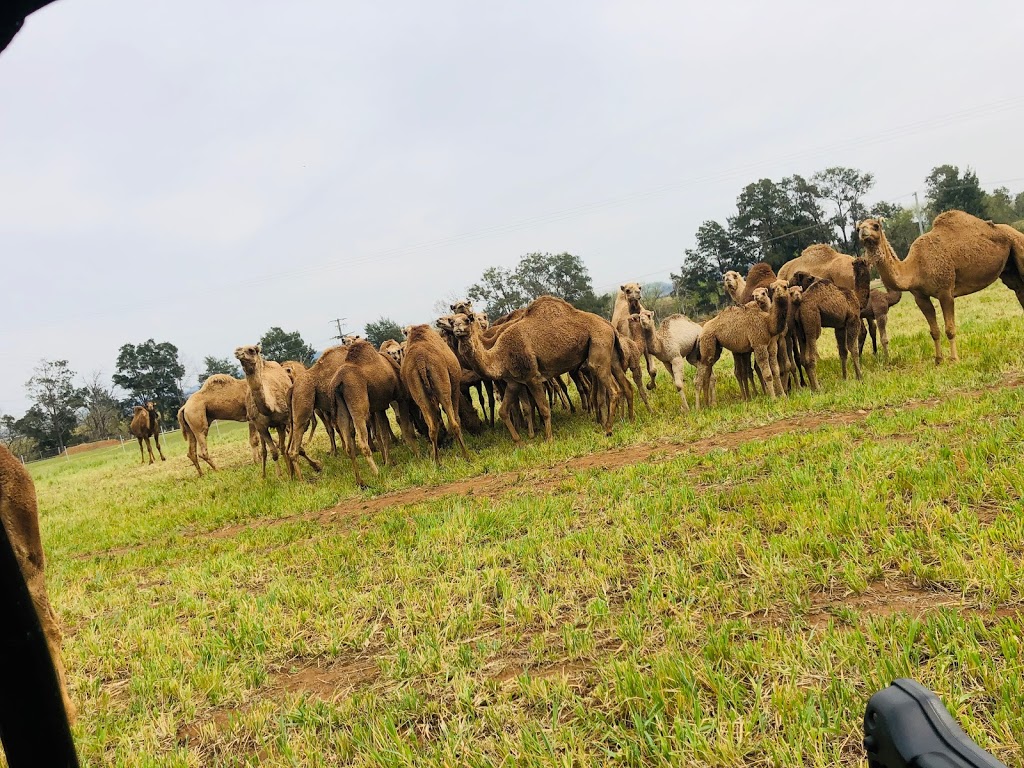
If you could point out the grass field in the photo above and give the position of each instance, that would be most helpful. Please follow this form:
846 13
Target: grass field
725 588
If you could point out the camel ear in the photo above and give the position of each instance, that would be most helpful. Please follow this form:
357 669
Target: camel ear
622 288
259 349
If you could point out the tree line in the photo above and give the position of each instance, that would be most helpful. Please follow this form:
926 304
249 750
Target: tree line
774 222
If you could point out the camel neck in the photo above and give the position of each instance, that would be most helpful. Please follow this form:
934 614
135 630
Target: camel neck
889 266
481 358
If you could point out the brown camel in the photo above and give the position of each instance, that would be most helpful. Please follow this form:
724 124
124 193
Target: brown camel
432 375
20 518
268 404
823 304
627 304
632 353
960 255
366 384
551 338
741 291
145 425
820 260
672 342
221 397
876 313
743 329
312 395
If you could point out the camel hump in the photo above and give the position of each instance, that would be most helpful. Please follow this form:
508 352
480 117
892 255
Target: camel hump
761 272
139 409
418 333
219 381
360 351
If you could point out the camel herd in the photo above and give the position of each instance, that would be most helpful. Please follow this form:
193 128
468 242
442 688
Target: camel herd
524 360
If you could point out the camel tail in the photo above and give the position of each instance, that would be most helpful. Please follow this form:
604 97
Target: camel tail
186 430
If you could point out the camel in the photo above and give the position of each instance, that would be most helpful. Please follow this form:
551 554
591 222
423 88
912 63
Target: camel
743 329
393 349
268 404
432 375
876 313
19 516
820 260
823 304
312 395
632 353
221 397
741 291
145 425
627 304
364 386
550 338
675 340
960 255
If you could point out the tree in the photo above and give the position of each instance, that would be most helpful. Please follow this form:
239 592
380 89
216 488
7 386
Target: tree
219 365
1000 206
699 282
565 275
56 400
151 371
844 188
382 330
280 346
498 292
948 190
100 415
18 444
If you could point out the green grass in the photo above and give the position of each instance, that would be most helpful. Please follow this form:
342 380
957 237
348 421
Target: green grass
731 607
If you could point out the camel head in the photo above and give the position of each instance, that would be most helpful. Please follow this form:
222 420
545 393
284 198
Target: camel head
802 279
463 307
646 319
249 356
762 299
796 294
632 293
394 349
444 323
483 320
870 232
462 325
348 338
732 281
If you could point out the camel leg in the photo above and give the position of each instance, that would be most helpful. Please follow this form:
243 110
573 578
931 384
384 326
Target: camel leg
198 448
773 363
193 440
741 369
489 387
383 435
851 344
454 422
343 425
764 365
638 379
563 393
873 330
254 443
883 334
536 388
652 371
149 447
405 425
156 438
924 303
949 318
843 351
510 397
703 390
810 356
432 416
676 366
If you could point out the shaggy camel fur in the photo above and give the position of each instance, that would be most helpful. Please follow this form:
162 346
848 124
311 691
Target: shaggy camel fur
20 518
221 397
312 395
876 313
960 255
675 340
820 260
432 375
551 338
145 425
268 404
743 329
823 304
741 291
393 349
627 304
632 353
365 385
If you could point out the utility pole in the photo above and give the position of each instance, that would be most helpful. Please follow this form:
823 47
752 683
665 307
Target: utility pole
338 321
917 215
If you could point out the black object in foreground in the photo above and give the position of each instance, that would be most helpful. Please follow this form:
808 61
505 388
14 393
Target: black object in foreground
907 726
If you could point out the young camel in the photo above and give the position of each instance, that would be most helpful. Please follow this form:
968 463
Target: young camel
960 255
741 291
19 516
145 425
432 375
627 304
632 352
365 385
268 404
551 338
743 329
876 313
221 397
823 304
675 340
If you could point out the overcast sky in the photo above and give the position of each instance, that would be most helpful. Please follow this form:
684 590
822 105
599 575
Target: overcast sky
197 172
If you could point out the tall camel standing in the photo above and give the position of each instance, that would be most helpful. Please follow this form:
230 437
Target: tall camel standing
221 397
145 425
19 516
960 255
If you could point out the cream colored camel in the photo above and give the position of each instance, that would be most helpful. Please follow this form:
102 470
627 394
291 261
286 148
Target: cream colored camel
627 304
960 255
675 340
145 425
221 397
432 375
19 516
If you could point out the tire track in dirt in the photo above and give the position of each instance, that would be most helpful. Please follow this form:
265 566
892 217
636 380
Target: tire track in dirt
551 476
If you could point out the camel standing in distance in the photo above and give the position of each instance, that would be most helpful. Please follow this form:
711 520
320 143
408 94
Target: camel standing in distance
221 397
627 304
19 516
145 425
960 255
